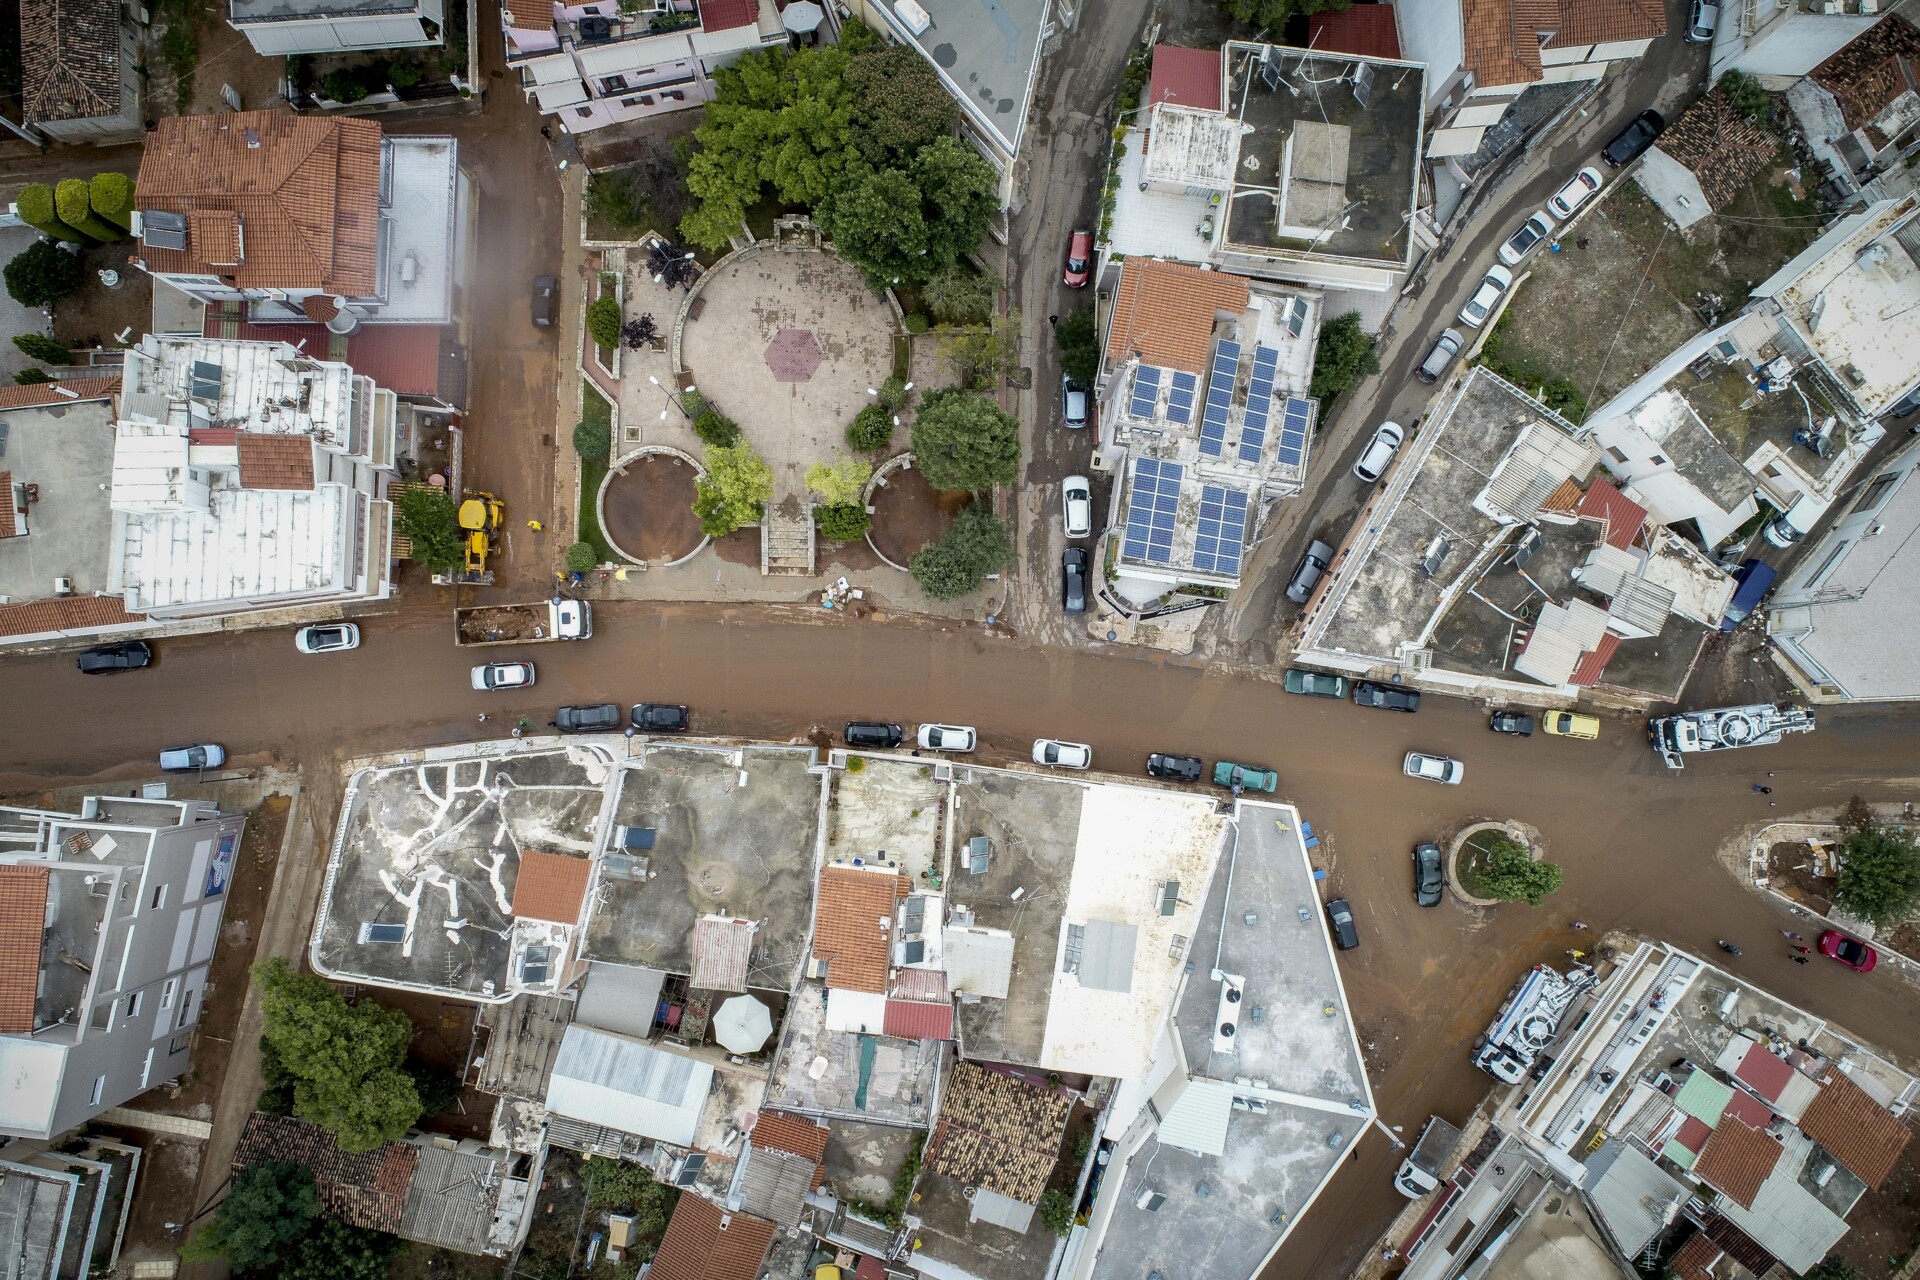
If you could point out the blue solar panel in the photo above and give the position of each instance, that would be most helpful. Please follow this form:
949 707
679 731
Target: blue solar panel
1180 399
1146 390
1152 506
1293 431
1222 532
1213 426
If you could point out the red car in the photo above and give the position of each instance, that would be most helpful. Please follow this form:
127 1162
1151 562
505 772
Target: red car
1079 260
1850 952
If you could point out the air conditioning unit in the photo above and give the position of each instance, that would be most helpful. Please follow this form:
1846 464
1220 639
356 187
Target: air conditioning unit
1226 1019
63 586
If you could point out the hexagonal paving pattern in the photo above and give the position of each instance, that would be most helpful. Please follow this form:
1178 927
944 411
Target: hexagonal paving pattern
793 355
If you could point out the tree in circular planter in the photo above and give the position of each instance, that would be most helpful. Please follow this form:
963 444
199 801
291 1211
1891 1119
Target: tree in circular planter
1504 869
581 557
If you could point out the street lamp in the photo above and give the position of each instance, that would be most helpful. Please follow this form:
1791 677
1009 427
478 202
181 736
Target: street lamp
672 399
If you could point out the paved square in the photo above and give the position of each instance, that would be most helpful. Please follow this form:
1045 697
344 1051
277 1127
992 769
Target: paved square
793 355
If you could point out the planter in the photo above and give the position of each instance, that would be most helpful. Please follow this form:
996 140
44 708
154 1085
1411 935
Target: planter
1518 832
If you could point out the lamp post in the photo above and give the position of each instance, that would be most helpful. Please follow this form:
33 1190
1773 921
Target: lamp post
672 399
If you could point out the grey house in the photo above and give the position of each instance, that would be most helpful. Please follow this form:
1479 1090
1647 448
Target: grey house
77 59
108 921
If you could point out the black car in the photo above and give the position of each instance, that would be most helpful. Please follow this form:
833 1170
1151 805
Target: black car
1175 768
1427 879
115 657
660 717
872 733
1306 575
1511 722
544 290
1634 139
1073 580
599 718
1385 697
1340 916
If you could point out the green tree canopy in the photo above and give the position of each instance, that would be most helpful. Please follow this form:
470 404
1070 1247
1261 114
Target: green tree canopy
1835 1268
73 202
737 484
876 223
335 1250
981 356
845 523
593 439
268 1207
581 557
959 194
429 518
964 441
1507 873
603 321
42 274
958 294
345 1060
1271 15
1079 346
35 204
870 429
40 347
899 105
1344 356
1745 95
1879 875
111 196
973 546
840 482
1056 1211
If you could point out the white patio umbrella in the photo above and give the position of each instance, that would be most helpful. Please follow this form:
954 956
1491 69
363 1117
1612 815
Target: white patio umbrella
802 17
742 1024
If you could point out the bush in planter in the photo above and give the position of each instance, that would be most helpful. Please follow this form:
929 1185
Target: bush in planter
1507 872
603 321
580 557
343 87
35 205
38 346
870 429
714 427
403 75
593 440
845 522
840 482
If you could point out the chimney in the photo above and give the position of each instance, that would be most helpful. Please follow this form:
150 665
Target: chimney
253 139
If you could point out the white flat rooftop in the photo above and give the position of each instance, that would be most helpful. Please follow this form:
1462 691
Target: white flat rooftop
1859 306
422 231
254 386
250 544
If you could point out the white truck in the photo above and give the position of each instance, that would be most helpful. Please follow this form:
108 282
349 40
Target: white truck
1420 1171
557 619
1722 729
1526 1023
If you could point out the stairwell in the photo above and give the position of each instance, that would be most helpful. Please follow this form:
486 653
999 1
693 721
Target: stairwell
786 538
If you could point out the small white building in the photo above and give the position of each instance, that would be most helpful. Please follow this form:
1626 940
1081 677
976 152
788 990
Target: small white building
285 28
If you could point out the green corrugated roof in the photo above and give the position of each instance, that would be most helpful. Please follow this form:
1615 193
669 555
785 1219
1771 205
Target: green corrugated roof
1703 1098
1677 1153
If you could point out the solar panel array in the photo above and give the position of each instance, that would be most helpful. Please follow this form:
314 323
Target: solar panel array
1293 431
1253 431
1180 399
1213 423
1223 529
1146 390
1150 510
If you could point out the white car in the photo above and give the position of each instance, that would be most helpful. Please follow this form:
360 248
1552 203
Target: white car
193 759
1378 455
946 737
332 637
1062 755
1526 239
1578 191
1493 287
503 675
1076 497
1435 768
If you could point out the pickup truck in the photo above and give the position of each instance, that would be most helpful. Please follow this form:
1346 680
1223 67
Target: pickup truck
1420 1172
557 619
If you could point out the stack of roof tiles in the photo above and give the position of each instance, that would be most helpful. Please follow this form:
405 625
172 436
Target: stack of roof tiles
269 461
550 886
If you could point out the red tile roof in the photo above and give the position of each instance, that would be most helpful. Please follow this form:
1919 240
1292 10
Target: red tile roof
530 15
724 15
1622 516
779 1131
1502 38
1593 663
1768 1073
1693 1134
71 59
1695 1259
364 1188
550 886
918 1020
403 358
38 395
228 436
1165 312
1716 142
1607 22
1366 30
698 1247
270 461
1871 70
9 526
1736 1160
23 926
1745 1106
319 307
1857 1131
846 926
64 613
1185 77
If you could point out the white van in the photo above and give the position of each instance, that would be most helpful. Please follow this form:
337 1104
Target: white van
1797 522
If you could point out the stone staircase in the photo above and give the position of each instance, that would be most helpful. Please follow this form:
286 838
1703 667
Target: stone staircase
786 538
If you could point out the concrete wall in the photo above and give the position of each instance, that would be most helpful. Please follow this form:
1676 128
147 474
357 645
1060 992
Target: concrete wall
1430 32
1790 45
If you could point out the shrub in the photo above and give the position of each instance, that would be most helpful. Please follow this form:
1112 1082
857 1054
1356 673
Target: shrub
843 522
180 47
42 274
840 482
593 440
1056 1211
403 75
870 429
959 295
856 764
1507 872
917 323
1879 875
1745 95
603 321
429 518
28 377
111 196
581 557
963 441
71 201
1344 356
36 208
736 485
714 427
975 545
38 346
341 86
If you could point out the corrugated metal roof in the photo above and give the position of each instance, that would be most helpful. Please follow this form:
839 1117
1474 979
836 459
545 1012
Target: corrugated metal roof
1540 461
774 1184
1639 607
1185 77
978 961
1704 1098
1106 955
620 997
1197 1120
1561 634
1631 1194
632 1087
1786 1220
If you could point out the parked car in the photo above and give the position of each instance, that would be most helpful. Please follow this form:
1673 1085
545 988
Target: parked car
1631 142
1434 768
192 759
1511 722
1851 952
873 733
1340 917
1244 777
130 656
1579 189
1445 348
1073 403
1062 755
1313 565
1702 20
947 737
327 638
1427 877
1796 522
601 717
1493 287
503 675
1570 724
1385 697
1905 405
1079 260
1378 455
1315 684
1073 580
1174 768
1526 239
1076 503
545 290
1750 588
660 717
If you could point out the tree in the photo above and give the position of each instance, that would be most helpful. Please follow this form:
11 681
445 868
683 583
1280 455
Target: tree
714 427
336 1250
963 441
42 274
593 439
581 557
1879 875
629 1188
35 205
899 105
1744 94
345 1059
1834 1268
1509 874
269 1206
736 485
29 377
844 523
1079 344
438 1087
1056 1211
343 87
429 519
958 294
980 357
40 347
1344 356
1271 15
973 546
111 196
72 202
959 194
876 224
840 482
603 321
870 429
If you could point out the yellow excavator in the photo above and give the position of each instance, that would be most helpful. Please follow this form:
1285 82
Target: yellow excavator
481 516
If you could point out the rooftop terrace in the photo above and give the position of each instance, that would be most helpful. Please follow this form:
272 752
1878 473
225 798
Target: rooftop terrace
66 450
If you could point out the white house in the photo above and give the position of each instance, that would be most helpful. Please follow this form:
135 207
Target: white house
284 28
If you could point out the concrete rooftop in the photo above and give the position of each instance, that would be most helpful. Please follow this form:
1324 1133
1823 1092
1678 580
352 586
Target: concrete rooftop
68 451
848 1075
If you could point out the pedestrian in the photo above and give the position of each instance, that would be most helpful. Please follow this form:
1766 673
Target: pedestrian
1578 924
1788 933
1802 951
535 525
1499 1171
483 716
1798 959
546 133
1765 791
